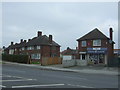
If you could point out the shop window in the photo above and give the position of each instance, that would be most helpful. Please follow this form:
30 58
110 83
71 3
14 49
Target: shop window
96 42
83 43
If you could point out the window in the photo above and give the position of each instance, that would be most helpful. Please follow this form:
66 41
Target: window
83 56
11 51
38 47
83 43
35 56
30 48
96 42
23 48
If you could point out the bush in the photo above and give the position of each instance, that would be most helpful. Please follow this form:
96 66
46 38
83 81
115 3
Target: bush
15 58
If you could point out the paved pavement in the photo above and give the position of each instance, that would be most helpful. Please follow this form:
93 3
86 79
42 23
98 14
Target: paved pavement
26 76
82 69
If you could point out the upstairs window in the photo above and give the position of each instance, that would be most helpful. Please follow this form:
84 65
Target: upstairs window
83 43
96 42
30 48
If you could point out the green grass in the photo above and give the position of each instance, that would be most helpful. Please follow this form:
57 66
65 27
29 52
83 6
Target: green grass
35 62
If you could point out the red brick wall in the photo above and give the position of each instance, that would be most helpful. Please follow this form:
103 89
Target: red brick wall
90 45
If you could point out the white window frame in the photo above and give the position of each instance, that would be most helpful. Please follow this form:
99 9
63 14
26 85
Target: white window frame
83 43
82 56
38 47
30 48
36 56
23 48
97 42
11 51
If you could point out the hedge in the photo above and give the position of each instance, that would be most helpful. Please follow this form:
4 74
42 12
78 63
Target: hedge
15 58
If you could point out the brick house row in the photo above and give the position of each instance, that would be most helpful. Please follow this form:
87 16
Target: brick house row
95 47
37 47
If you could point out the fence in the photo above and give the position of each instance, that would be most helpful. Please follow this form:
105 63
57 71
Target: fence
51 60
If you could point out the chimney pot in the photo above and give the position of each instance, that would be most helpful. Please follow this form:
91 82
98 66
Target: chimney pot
50 38
25 41
29 39
39 33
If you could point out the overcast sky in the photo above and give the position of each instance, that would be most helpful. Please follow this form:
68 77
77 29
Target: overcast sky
65 21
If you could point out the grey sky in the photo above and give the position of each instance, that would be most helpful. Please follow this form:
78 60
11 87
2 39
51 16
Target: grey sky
65 21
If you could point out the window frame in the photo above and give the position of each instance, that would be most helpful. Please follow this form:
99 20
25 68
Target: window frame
36 56
84 43
95 42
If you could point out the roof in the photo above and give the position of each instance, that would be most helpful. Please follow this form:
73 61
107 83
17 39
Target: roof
41 40
94 34
69 51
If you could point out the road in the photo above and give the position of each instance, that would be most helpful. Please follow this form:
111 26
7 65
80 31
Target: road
16 76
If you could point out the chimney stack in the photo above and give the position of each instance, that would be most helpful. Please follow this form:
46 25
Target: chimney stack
11 43
29 39
111 33
25 41
21 40
39 33
50 38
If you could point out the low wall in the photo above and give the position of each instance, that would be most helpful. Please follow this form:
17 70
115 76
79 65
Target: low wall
81 62
74 62
68 63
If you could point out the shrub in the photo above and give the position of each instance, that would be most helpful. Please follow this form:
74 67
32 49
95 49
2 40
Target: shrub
15 58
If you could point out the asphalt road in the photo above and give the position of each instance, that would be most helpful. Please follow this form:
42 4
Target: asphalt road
16 76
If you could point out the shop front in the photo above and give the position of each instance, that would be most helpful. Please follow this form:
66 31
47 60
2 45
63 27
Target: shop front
97 55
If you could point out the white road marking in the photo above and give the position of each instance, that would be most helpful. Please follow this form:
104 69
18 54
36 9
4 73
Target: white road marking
75 78
2 86
16 80
38 85
80 86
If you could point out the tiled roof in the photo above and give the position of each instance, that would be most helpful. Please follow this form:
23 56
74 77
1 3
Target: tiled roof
41 40
69 52
94 34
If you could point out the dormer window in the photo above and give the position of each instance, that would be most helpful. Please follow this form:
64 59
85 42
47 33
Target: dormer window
96 42
83 43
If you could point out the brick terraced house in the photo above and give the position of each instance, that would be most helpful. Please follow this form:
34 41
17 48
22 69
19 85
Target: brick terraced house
37 47
95 47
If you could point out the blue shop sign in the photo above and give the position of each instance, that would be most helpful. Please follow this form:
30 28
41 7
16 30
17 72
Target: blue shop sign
97 51
103 49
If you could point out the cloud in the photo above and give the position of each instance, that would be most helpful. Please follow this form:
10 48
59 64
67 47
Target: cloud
65 21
